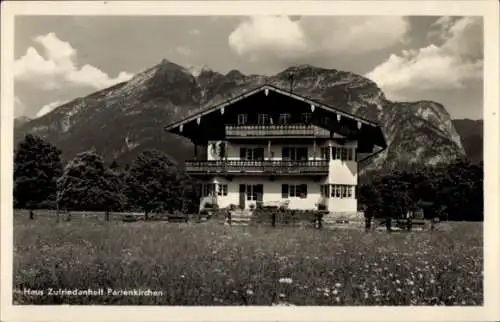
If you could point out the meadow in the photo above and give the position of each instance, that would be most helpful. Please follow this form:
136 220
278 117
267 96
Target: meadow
212 264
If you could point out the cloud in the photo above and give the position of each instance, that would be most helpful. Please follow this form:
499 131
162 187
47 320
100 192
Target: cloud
264 35
194 32
448 65
57 67
47 108
285 37
184 51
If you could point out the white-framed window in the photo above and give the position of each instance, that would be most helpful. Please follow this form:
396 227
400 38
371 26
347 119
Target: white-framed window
253 191
242 119
222 190
325 153
325 190
251 154
294 190
263 119
284 118
342 153
342 191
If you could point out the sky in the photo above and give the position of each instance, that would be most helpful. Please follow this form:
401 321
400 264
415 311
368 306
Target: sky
438 58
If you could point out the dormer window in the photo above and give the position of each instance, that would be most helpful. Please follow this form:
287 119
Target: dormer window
242 119
284 118
263 119
306 117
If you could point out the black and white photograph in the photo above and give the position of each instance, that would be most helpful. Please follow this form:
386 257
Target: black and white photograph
270 160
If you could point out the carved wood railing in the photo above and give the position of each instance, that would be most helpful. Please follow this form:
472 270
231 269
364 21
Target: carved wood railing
276 130
258 166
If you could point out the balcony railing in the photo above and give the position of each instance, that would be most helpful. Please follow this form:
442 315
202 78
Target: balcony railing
319 167
288 130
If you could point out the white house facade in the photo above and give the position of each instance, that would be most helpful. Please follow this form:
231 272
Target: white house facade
275 147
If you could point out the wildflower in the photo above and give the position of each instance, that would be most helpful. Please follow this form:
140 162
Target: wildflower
399 290
335 292
397 282
282 295
432 281
285 280
249 292
338 285
182 276
337 299
410 283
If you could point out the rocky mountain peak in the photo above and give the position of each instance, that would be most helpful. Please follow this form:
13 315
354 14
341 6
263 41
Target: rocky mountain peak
127 118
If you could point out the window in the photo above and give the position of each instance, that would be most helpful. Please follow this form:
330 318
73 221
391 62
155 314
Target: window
325 153
208 189
222 191
343 188
284 118
254 191
263 119
343 154
338 191
306 117
350 154
325 190
294 154
251 153
294 190
242 119
342 191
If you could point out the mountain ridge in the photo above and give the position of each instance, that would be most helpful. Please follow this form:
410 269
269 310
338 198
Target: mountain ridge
122 120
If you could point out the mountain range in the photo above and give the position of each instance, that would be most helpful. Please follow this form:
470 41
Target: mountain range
122 120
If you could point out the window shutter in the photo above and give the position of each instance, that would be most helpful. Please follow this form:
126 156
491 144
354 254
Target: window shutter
284 191
243 153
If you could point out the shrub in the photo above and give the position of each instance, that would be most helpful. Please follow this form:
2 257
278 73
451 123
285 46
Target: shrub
252 207
232 207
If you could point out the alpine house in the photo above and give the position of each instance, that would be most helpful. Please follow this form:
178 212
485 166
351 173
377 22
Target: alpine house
274 147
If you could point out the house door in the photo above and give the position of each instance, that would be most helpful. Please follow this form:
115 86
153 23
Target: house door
242 196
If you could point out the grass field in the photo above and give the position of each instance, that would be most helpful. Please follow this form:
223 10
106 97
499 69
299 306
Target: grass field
211 264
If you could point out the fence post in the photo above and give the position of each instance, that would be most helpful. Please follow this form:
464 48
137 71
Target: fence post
273 219
319 218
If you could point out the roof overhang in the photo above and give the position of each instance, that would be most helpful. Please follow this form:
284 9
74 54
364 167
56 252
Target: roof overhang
379 139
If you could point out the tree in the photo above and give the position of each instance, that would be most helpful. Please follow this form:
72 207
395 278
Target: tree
153 183
37 165
87 185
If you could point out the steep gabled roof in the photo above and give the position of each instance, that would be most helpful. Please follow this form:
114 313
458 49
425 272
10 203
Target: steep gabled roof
268 87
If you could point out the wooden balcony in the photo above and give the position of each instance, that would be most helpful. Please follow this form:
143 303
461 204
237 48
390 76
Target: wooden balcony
266 131
258 167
